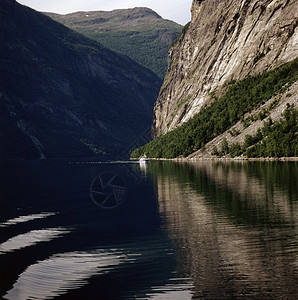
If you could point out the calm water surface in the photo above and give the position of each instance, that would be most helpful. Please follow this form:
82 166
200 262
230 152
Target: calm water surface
167 230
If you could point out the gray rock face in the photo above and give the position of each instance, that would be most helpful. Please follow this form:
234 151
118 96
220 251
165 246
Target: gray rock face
226 40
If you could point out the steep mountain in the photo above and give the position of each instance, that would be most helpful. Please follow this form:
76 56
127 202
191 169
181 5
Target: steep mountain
229 72
226 40
63 94
139 33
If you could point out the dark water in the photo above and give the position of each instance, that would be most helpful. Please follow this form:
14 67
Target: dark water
94 230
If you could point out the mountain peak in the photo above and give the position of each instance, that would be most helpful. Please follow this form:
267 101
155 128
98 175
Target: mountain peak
121 15
139 33
145 11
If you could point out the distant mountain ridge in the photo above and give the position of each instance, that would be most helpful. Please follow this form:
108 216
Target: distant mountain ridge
64 95
139 33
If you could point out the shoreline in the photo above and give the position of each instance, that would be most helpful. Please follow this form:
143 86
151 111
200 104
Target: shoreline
240 159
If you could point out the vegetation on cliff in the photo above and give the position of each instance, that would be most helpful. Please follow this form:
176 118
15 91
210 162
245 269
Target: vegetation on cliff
279 139
139 33
241 97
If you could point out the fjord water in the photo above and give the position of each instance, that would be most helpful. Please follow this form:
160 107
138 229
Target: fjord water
177 230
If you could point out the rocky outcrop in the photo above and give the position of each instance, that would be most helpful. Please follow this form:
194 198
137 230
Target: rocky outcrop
226 40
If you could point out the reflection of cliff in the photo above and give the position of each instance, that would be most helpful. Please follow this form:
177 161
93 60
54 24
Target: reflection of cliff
226 259
265 189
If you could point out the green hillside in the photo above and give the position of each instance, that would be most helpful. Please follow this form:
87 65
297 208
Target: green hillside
241 97
139 33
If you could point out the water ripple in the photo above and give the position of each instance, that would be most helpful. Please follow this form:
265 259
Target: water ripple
31 238
177 291
23 219
63 272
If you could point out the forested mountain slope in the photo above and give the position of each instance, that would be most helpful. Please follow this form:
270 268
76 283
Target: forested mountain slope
139 33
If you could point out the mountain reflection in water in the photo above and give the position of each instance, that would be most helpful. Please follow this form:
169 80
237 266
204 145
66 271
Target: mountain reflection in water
234 226
185 230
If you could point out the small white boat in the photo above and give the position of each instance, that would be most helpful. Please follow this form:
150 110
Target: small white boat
143 159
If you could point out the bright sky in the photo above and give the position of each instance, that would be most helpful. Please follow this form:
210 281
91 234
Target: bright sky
176 10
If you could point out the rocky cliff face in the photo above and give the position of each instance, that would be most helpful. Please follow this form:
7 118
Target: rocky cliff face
226 40
62 94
